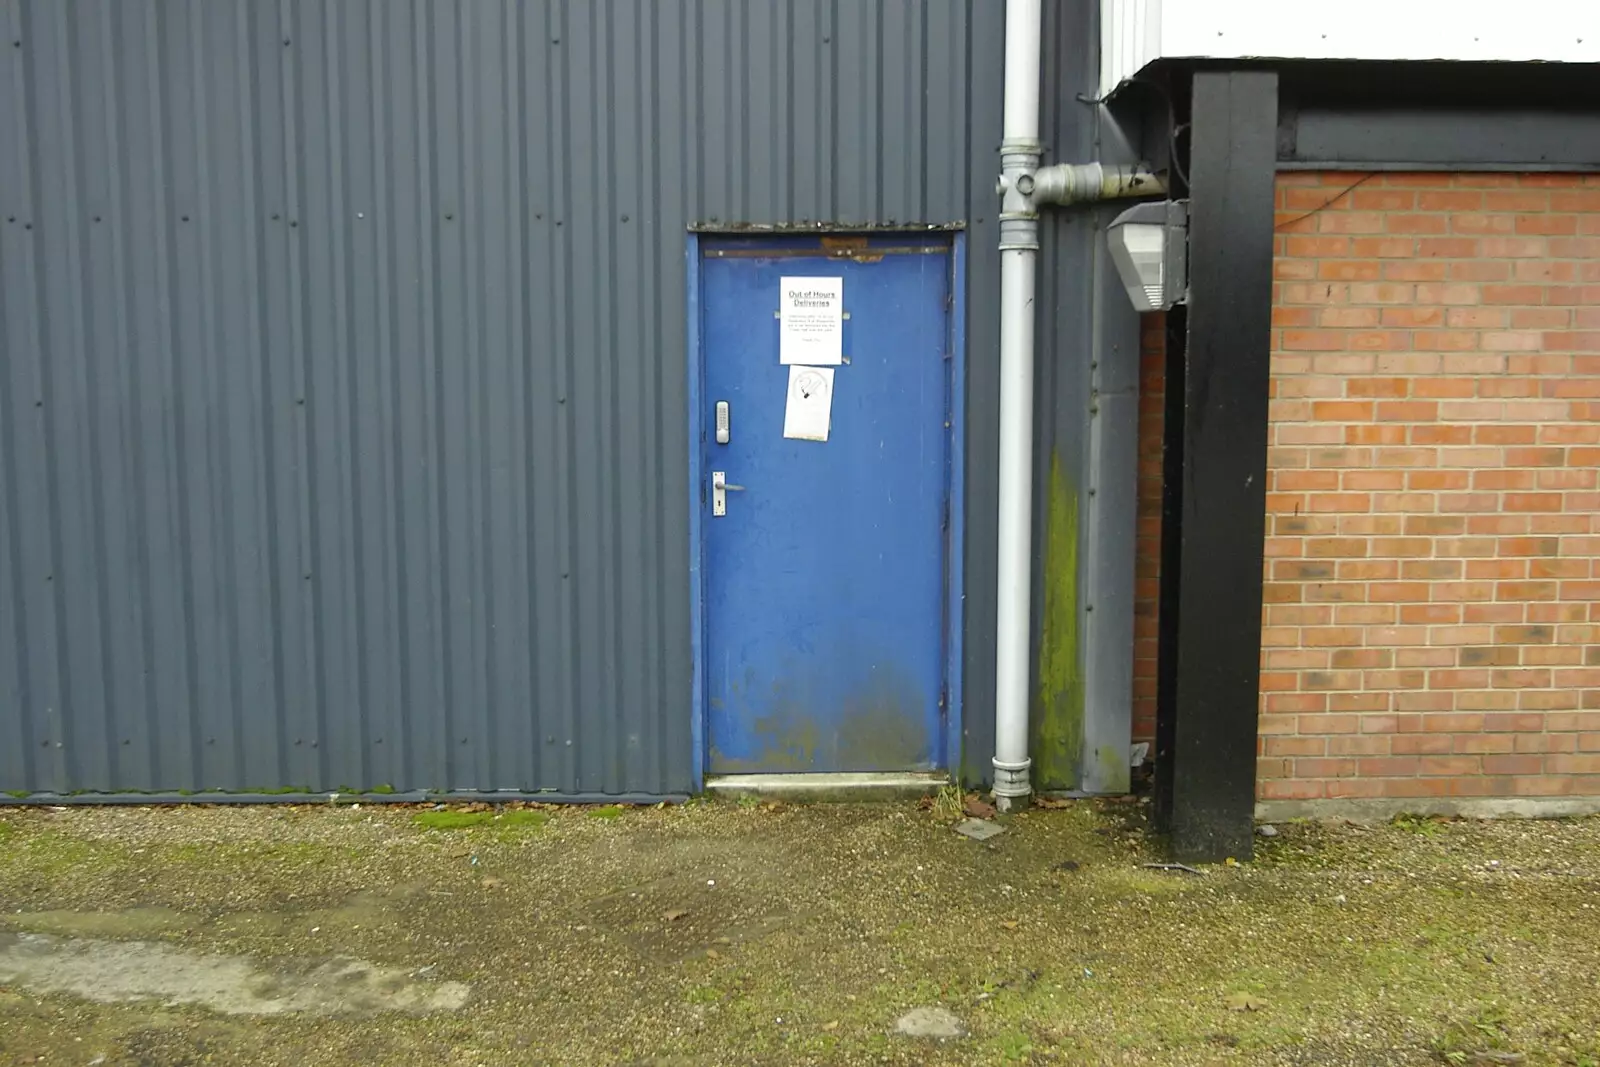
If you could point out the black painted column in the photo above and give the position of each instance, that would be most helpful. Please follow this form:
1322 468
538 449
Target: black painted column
1216 473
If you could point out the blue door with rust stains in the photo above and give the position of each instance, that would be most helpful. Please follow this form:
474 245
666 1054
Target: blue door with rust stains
825 562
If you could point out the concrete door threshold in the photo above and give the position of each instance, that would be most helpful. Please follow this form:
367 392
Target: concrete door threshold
864 785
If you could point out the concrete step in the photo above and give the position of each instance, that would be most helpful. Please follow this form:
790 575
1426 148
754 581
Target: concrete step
892 785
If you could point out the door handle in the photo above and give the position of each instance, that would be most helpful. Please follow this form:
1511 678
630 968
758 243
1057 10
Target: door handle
720 488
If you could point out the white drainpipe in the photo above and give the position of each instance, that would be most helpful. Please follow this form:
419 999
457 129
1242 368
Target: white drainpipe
1023 186
1019 251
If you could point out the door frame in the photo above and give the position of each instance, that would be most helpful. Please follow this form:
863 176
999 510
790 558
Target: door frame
955 481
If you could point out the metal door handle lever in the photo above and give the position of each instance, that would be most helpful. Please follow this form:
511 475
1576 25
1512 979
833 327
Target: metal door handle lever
719 490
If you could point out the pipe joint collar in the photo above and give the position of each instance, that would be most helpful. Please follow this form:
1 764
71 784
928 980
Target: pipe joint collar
1019 231
1076 183
1011 779
1018 161
1066 183
1019 182
1022 147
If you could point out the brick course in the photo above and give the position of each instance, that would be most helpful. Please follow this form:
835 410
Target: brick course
1432 595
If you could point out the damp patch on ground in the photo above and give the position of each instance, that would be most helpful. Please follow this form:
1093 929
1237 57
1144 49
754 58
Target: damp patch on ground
113 972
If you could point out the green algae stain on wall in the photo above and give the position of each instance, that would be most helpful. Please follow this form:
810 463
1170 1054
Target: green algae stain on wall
1057 720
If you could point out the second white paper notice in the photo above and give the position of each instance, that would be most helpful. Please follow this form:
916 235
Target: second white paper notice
809 409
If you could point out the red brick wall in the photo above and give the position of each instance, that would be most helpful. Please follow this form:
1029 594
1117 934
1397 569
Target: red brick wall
1432 621
1147 559
1432 626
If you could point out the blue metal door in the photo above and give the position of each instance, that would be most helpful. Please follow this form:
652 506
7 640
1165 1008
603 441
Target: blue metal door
825 575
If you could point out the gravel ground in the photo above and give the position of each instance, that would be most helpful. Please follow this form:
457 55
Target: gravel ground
716 933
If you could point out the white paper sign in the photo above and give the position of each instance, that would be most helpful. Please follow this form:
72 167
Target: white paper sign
809 409
812 327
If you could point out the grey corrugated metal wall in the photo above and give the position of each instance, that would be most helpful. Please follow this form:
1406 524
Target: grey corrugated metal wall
342 435
1086 422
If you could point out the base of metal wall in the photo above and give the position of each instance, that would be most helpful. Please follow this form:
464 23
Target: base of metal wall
506 796
891 785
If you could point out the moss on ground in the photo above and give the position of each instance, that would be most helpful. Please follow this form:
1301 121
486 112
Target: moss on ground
717 933
465 820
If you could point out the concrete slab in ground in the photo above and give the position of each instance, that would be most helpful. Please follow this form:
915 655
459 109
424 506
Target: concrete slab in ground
978 829
939 1024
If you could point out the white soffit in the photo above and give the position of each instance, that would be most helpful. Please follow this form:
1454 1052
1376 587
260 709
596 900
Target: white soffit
1135 33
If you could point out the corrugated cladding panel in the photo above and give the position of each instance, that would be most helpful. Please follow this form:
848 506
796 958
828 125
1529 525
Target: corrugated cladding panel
1130 37
342 433
1086 391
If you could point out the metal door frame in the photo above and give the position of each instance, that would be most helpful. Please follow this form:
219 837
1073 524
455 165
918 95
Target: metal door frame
955 484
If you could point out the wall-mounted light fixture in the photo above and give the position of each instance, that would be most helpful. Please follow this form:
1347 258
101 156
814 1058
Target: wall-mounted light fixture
1149 245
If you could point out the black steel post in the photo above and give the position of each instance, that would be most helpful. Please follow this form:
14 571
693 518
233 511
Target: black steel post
1211 595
